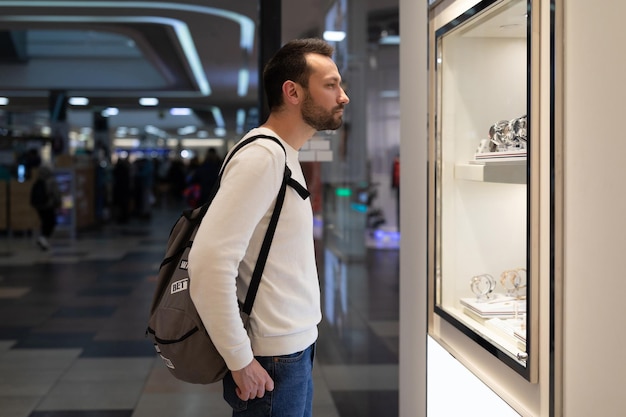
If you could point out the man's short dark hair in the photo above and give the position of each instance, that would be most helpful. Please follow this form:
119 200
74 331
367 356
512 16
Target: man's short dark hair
289 63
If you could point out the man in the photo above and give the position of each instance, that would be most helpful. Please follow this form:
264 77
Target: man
270 362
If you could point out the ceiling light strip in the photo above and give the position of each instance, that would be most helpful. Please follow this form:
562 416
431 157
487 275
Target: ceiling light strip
241 120
246 27
243 82
217 115
180 28
246 24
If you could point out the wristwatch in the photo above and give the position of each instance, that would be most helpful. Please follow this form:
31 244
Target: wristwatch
482 285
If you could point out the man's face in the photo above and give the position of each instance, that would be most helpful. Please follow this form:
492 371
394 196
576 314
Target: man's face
324 99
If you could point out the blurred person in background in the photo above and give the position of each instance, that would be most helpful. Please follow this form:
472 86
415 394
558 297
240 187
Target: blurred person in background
205 175
45 197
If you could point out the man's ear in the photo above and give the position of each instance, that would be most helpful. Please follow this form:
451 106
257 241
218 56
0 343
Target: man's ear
292 92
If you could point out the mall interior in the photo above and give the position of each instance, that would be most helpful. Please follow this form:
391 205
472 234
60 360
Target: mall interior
72 76
489 287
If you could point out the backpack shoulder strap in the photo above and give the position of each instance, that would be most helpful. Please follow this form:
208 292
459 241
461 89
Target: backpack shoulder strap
299 188
198 213
271 228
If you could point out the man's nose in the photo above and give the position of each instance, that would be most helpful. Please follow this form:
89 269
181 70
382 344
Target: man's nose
344 99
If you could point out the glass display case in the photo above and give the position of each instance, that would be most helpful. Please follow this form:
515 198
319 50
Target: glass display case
481 234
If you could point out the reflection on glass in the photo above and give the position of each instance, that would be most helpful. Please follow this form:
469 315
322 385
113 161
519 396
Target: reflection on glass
481 186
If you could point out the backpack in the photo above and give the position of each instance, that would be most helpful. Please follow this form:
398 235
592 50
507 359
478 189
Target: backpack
176 330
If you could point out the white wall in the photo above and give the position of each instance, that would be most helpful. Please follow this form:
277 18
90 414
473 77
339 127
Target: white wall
471 397
594 365
595 208
439 393
413 208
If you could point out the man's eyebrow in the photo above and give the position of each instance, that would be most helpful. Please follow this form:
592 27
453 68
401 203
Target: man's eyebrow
334 78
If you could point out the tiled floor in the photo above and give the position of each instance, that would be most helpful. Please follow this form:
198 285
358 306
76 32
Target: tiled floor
72 332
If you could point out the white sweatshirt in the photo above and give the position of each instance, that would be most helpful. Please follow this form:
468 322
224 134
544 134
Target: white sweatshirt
286 310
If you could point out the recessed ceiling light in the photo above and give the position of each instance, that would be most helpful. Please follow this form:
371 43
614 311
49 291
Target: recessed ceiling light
149 101
334 35
4 101
187 130
110 111
180 111
78 101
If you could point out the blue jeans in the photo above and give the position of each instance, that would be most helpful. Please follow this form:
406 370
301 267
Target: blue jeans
293 388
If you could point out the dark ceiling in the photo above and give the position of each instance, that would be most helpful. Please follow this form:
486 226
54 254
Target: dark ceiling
199 54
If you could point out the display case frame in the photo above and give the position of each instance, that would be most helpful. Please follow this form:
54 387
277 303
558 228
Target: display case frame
433 3
525 175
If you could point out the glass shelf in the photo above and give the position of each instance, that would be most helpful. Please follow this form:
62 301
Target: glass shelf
510 172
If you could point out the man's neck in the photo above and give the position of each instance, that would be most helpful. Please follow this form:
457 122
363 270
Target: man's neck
295 133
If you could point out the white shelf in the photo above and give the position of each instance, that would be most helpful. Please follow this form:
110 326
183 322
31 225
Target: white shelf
510 171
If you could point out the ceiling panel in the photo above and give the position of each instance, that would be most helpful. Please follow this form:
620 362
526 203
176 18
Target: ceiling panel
187 53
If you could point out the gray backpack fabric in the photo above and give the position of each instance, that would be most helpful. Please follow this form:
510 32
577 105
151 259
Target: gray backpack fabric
178 334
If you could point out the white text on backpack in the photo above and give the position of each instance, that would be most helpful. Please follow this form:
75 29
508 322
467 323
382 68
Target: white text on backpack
179 286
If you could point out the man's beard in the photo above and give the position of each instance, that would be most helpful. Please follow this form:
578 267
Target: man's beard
319 118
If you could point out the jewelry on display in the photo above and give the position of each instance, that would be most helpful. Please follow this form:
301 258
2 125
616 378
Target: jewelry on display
482 286
506 136
514 280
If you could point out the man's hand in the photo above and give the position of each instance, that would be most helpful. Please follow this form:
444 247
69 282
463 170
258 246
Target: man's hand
252 381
